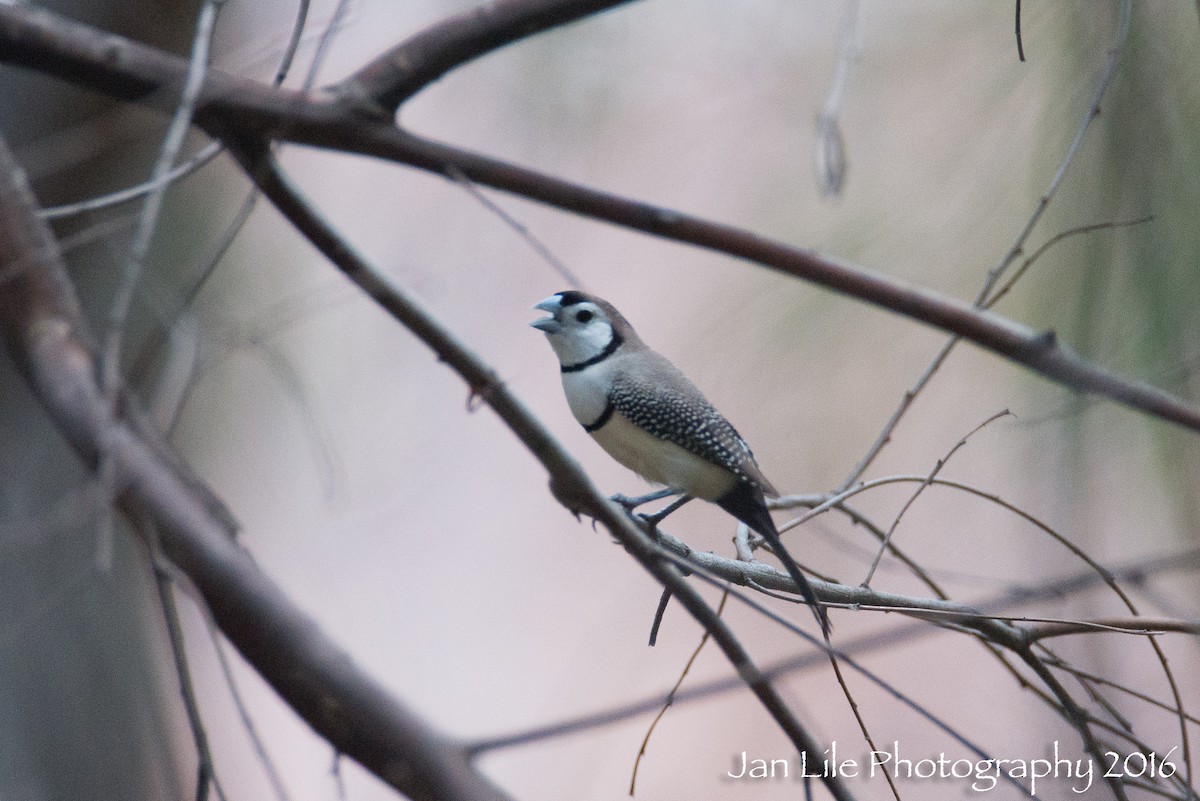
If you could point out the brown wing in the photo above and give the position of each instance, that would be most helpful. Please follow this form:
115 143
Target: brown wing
670 407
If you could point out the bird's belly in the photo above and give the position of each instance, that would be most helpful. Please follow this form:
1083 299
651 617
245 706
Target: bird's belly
661 461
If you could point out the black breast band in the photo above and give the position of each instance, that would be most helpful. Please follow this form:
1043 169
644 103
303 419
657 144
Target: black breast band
599 422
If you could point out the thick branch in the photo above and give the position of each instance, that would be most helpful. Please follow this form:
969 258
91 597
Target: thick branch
44 332
1039 351
232 106
127 70
390 79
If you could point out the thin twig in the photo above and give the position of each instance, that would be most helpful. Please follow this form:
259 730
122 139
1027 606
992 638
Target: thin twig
993 276
138 191
1020 44
1137 625
937 468
42 324
830 154
889 638
852 703
274 778
568 482
205 767
1130 691
293 44
539 247
1107 72
671 698
131 271
1051 242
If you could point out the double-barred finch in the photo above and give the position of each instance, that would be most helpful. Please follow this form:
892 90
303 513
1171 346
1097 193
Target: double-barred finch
649 417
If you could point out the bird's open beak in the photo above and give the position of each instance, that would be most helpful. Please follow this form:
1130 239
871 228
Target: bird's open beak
549 325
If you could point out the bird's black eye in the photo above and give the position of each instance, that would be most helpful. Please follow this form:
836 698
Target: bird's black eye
584 316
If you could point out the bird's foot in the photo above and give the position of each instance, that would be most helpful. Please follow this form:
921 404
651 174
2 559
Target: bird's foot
653 520
649 523
629 504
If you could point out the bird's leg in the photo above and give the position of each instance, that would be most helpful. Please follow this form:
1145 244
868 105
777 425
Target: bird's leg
653 520
629 504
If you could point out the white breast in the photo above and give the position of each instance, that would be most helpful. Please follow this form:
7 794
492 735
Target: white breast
587 391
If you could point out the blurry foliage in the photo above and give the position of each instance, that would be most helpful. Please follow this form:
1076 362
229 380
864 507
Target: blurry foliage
1134 291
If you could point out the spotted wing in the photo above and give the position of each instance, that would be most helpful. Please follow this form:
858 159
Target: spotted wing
663 402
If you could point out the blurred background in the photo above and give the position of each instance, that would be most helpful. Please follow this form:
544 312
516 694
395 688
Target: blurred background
421 534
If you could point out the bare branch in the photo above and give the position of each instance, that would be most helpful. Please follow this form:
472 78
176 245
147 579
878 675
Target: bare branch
1050 243
55 46
387 81
666 704
829 156
984 299
206 769
568 482
43 326
937 468
867 643
1117 625
1093 111
44 332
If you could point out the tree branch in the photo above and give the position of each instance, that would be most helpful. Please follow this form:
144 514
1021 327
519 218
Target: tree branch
568 482
231 106
390 79
1116 625
44 330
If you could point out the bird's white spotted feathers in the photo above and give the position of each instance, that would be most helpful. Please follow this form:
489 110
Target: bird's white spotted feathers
656 397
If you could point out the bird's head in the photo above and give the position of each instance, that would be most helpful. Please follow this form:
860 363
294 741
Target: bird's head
581 327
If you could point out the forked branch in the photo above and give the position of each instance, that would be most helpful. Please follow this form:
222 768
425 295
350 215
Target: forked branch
238 109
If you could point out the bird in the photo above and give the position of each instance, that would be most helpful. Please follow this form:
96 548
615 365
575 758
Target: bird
648 416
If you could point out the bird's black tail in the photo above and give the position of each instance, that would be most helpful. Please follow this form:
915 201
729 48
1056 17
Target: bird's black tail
746 503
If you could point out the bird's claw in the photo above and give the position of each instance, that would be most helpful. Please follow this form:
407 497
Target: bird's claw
650 522
624 501
629 504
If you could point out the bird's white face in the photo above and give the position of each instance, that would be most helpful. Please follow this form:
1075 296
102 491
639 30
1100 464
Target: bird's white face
577 331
